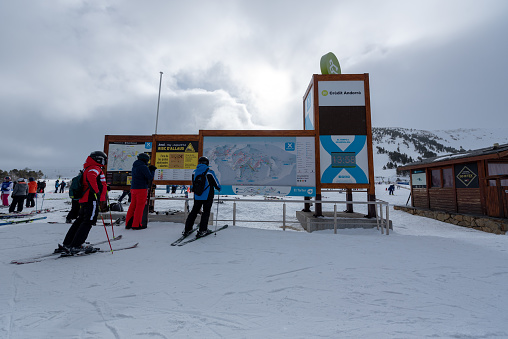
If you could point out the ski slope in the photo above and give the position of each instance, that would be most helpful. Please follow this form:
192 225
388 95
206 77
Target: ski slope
426 279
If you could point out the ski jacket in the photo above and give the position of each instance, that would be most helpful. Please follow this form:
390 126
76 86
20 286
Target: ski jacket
141 175
211 182
94 182
32 187
21 189
7 187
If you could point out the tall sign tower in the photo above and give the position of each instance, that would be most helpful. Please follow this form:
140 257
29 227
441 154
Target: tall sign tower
337 108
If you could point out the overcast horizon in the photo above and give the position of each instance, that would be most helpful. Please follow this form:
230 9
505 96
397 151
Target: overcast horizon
74 71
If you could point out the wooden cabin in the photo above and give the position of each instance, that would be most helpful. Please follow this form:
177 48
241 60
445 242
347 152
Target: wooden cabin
473 182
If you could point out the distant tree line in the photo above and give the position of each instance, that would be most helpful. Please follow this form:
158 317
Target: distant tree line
24 173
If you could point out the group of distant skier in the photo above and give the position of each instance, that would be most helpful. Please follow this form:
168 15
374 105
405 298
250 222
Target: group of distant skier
19 191
95 199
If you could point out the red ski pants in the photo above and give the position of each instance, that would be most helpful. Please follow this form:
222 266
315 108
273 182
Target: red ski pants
138 202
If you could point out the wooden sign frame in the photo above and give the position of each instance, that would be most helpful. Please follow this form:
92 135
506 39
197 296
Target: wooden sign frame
313 90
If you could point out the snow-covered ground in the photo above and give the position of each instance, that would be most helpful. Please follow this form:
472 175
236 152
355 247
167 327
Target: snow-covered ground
426 279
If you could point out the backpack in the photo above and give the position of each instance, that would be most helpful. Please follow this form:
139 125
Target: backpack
199 183
76 188
116 207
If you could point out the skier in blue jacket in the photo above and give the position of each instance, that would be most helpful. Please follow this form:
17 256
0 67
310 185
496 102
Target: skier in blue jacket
205 199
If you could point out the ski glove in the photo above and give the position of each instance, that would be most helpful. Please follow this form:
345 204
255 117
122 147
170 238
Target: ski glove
103 206
152 168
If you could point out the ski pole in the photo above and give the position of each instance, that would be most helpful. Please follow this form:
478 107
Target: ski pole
107 235
110 216
217 217
42 203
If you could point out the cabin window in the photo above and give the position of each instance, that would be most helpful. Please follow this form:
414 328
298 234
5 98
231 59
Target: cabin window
436 178
447 177
498 168
442 177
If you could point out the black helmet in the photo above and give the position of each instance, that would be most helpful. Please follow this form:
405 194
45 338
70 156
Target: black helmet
203 160
144 157
99 157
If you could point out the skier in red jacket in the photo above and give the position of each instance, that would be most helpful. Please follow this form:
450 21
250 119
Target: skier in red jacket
93 199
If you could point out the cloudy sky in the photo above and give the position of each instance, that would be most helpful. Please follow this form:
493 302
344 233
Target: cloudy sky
72 71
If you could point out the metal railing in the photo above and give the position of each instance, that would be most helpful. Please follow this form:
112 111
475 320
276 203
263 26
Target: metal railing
382 218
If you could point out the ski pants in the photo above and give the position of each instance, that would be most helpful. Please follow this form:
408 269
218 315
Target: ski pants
17 200
5 199
78 232
139 198
207 206
30 202
74 212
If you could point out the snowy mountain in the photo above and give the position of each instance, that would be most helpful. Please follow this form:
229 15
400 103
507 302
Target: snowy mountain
398 146
393 146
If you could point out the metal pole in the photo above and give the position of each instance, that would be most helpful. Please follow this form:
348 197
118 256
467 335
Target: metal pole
158 103
234 214
284 216
387 219
335 219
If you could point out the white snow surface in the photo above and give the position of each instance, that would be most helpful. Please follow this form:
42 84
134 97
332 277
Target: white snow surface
425 279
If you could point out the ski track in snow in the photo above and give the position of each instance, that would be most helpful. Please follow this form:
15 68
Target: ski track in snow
426 279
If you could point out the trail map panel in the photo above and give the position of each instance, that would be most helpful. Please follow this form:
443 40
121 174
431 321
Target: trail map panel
121 155
250 165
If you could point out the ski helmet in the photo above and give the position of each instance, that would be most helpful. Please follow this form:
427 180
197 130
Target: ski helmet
99 157
21 179
8 178
144 157
31 179
203 160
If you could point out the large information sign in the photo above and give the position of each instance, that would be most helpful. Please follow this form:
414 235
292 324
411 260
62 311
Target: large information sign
263 165
175 160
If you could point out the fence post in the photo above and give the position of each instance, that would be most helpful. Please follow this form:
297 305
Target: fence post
387 219
381 217
234 213
335 219
377 215
284 216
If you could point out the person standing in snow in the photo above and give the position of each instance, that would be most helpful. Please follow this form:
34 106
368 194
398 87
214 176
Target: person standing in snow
6 191
205 199
93 199
391 189
19 193
32 190
142 176
62 186
57 183
41 186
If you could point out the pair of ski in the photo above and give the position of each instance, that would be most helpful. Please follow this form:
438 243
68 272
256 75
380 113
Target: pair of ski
24 215
81 254
21 221
181 241
117 222
58 255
